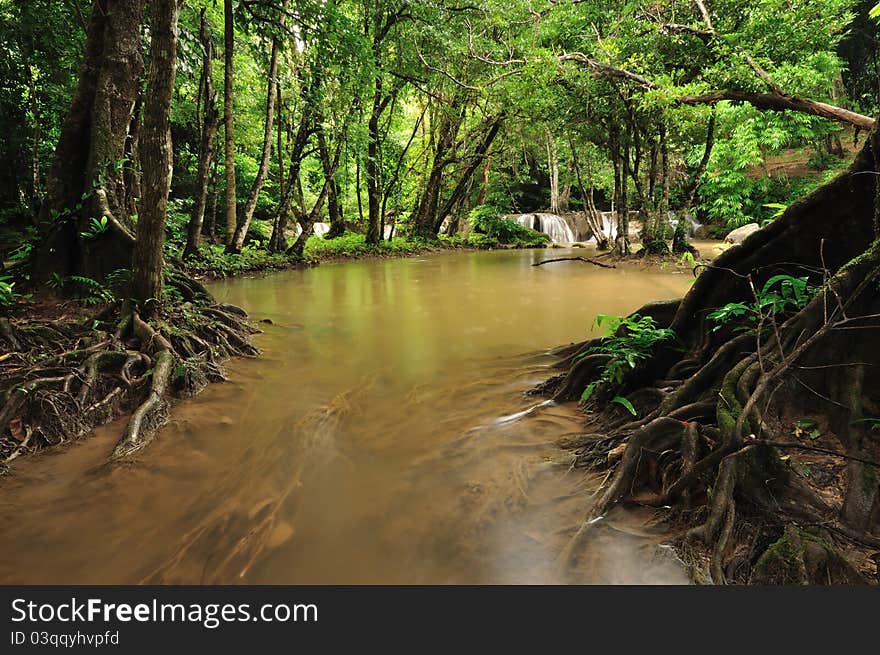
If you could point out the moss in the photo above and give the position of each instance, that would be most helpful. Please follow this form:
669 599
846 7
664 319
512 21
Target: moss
729 408
801 557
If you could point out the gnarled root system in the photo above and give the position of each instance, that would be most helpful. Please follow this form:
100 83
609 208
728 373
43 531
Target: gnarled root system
60 379
760 440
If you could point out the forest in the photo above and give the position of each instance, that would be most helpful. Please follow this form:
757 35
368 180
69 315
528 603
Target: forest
330 205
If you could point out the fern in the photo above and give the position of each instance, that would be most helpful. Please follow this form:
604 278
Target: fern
93 292
632 340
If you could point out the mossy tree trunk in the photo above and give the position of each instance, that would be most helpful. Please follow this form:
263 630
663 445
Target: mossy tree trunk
156 157
87 178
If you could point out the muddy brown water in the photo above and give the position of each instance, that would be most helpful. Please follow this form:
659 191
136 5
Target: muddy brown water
383 438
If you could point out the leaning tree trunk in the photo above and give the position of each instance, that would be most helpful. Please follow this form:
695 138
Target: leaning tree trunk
229 118
86 179
424 218
459 192
244 221
210 126
713 437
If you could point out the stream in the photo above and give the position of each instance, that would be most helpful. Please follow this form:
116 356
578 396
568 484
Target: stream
384 437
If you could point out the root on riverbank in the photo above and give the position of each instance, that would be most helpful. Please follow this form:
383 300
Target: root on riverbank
718 438
59 379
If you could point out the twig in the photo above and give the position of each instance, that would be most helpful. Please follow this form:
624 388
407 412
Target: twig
588 260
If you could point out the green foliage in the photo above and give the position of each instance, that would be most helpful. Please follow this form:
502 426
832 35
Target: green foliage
870 423
177 223
737 188
632 340
97 227
488 220
421 63
781 295
355 245
807 428
90 292
778 210
627 405
687 259
214 260
9 298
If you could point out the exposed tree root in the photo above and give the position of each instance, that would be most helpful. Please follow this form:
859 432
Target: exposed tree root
62 379
716 437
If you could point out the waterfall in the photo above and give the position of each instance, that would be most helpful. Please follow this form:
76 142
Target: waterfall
552 225
692 222
321 229
609 224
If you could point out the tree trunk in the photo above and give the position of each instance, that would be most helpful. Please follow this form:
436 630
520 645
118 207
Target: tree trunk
680 238
307 219
374 183
717 437
210 126
209 229
458 193
229 119
594 221
244 222
86 179
694 185
36 186
131 176
484 184
156 157
622 241
553 168
780 102
334 207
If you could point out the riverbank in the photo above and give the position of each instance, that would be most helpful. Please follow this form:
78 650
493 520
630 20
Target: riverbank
215 263
68 340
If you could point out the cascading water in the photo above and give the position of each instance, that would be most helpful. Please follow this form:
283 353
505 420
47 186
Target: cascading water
321 229
552 225
693 225
609 224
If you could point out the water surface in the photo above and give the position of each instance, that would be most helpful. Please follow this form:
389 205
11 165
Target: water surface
379 440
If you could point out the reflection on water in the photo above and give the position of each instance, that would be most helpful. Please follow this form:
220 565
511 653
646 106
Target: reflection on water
383 438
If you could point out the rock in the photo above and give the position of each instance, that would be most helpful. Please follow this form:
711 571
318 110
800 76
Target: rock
701 232
739 234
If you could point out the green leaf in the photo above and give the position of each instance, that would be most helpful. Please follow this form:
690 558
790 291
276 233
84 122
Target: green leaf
585 396
620 400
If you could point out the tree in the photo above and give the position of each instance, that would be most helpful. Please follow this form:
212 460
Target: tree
209 127
156 160
229 119
244 221
717 425
86 178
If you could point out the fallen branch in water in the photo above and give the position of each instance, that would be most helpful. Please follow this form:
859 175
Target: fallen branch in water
575 259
